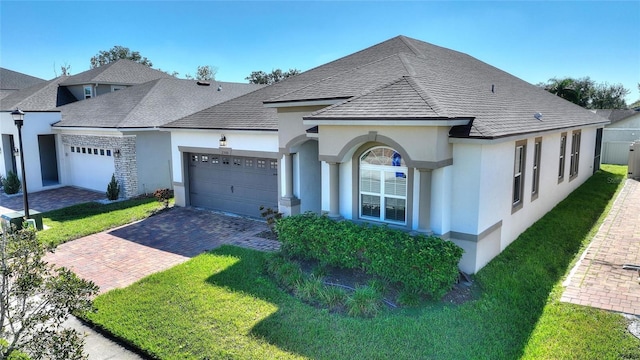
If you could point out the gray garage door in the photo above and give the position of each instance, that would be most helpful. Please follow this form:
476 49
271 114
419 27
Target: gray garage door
235 184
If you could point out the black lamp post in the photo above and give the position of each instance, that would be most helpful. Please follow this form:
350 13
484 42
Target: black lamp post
18 118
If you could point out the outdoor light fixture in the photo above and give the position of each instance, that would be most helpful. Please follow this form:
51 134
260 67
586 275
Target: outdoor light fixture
223 141
116 153
18 119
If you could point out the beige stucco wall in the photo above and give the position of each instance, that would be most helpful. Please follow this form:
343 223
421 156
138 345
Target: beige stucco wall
291 130
421 146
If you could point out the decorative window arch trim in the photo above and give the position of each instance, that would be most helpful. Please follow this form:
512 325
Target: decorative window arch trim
383 185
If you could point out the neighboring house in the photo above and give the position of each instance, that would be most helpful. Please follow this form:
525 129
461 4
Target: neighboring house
111 77
118 133
12 81
39 142
623 130
81 129
403 133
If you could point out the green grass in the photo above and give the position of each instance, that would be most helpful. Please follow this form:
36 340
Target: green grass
89 218
220 305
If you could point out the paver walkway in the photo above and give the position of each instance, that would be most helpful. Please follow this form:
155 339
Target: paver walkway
121 256
48 200
598 280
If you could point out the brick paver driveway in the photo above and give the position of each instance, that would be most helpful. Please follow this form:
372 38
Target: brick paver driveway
599 280
119 257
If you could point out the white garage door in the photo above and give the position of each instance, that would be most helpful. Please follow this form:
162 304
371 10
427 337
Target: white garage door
90 167
231 183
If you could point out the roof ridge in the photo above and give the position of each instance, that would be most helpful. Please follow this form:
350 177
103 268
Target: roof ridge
411 46
405 61
334 76
356 97
428 99
139 103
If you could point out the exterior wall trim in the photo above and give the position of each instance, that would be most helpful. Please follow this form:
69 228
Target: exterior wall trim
471 237
229 151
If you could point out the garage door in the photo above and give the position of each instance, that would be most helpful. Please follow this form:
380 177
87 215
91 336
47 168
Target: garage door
235 184
90 167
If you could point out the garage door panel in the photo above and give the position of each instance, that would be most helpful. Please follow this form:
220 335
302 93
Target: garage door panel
234 184
89 168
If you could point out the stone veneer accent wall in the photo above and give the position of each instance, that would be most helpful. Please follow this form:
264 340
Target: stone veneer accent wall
125 165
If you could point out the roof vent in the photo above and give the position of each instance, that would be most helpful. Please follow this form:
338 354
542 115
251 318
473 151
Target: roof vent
538 116
203 83
219 87
493 88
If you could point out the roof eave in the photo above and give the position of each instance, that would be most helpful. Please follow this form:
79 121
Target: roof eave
387 121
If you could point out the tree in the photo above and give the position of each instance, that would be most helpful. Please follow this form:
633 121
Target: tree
276 75
206 73
636 104
587 93
605 96
116 53
35 299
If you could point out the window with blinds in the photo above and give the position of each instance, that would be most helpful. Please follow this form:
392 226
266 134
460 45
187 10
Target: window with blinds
383 185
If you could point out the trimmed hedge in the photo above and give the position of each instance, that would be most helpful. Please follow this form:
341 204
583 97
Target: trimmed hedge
420 264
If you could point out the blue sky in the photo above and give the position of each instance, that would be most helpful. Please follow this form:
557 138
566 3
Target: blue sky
532 40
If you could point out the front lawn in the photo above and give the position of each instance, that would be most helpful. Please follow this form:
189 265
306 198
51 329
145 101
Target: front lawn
80 220
221 305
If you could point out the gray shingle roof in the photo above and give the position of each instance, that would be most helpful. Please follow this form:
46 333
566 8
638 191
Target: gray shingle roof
150 104
125 72
11 81
248 112
405 78
40 97
615 115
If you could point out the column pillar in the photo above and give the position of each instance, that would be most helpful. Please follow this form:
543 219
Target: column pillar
334 190
289 204
424 196
288 176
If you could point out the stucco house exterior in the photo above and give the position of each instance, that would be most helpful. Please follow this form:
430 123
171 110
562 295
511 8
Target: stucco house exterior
403 133
40 144
623 130
81 129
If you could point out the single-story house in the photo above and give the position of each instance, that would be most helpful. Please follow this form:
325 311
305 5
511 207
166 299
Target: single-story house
622 132
403 133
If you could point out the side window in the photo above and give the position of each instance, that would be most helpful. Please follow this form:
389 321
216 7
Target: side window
563 151
574 164
537 156
518 174
88 91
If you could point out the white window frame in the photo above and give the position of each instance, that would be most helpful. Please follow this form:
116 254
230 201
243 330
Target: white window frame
562 159
84 91
537 158
519 161
574 167
381 194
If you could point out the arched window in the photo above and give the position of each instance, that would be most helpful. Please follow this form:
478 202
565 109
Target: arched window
383 185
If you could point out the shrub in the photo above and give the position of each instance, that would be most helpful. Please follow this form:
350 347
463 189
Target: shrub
420 264
113 188
271 216
332 297
309 289
365 302
163 196
11 183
